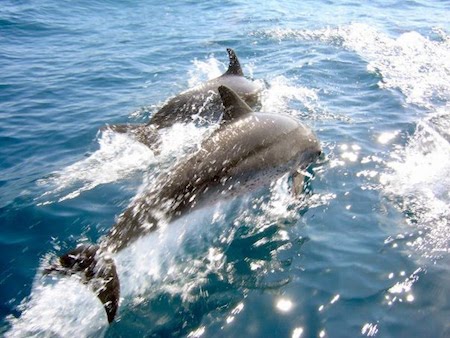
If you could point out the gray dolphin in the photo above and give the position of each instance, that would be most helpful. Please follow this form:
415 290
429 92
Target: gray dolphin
245 152
201 102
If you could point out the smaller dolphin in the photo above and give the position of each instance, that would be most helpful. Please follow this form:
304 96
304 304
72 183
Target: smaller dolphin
201 102
245 152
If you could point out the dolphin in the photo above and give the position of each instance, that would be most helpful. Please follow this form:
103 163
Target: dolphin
246 151
201 103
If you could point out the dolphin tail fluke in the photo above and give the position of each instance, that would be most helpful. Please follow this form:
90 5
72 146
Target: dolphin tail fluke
146 134
95 269
234 67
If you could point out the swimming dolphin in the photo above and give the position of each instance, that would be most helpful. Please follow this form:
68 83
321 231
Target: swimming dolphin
201 102
245 152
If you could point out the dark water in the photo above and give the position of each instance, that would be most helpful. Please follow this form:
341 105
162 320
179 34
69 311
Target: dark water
364 254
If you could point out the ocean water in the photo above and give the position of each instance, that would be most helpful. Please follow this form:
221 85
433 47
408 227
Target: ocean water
365 251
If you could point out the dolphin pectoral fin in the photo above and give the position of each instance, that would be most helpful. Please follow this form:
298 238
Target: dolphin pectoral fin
234 106
298 180
234 67
96 270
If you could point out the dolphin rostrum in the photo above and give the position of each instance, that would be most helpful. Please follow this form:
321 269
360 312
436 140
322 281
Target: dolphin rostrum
202 103
245 152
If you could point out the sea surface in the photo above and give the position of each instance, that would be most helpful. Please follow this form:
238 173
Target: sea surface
364 252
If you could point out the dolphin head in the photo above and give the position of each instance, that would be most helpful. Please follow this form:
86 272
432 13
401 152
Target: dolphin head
306 146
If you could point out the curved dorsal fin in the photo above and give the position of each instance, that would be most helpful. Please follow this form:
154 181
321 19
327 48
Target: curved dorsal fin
234 68
234 106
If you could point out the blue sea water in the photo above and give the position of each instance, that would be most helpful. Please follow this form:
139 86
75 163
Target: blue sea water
364 253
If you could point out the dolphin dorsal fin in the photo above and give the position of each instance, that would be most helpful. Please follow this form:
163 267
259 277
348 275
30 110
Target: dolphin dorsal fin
235 67
234 106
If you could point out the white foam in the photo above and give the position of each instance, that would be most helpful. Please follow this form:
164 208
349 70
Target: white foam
180 139
177 259
65 308
281 91
281 199
160 262
412 63
282 94
179 256
117 157
420 175
204 70
120 156
210 68
160 258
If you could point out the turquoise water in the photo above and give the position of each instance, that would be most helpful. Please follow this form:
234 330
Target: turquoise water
365 253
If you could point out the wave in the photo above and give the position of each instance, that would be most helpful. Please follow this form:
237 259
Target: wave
416 176
418 181
416 65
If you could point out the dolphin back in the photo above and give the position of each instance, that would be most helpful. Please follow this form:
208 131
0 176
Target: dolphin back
203 101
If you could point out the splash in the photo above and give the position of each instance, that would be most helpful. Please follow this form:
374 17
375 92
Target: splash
204 70
157 263
181 259
416 65
180 139
152 266
419 176
211 68
52 311
281 91
118 156
283 95
184 260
